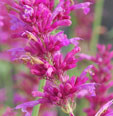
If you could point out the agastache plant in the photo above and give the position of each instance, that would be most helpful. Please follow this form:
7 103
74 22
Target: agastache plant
37 20
102 75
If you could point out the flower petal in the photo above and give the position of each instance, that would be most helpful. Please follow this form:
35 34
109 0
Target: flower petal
74 40
85 56
109 114
87 89
57 10
84 6
87 70
24 106
104 108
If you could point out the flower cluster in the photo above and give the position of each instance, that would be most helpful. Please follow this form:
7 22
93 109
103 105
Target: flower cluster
102 76
39 47
62 94
36 20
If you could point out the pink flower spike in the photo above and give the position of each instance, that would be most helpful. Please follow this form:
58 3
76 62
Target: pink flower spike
104 108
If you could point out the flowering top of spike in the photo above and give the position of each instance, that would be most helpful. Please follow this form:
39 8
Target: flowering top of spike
42 17
103 60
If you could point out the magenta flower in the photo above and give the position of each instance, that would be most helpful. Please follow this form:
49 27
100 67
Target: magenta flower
15 22
41 52
52 44
44 16
39 65
102 76
63 94
104 110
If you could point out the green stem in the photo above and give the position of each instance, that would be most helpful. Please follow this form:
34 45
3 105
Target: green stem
96 25
10 86
36 109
